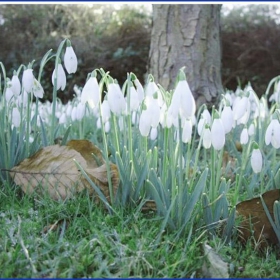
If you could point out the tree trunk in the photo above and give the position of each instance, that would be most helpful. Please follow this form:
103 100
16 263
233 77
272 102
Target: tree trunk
187 35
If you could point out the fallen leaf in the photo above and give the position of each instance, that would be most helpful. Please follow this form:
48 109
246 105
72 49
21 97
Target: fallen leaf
214 267
52 169
254 221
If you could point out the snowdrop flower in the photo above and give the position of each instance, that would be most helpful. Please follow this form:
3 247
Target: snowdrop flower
140 90
133 99
145 123
240 107
244 136
105 111
206 137
90 92
9 94
187 131
152 90
16 86
153 133
205 118
217 132
70 59
251 129
27 80
80 111
272 134
15 117
256 159
116 99
37 89
276 94
182 98
60 78
227 118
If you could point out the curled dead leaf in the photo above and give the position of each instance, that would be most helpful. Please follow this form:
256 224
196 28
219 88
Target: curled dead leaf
52 170
254 221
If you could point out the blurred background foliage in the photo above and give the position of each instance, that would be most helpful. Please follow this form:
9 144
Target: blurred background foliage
118 40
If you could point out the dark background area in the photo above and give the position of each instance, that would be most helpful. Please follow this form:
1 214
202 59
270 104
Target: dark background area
118 41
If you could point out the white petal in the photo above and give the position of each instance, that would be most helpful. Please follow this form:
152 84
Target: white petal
256 160
90 92
217 134
244 136
70 60
27 80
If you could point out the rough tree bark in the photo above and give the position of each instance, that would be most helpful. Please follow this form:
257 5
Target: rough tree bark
187 35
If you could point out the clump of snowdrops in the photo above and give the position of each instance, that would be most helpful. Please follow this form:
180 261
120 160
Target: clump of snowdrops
166 149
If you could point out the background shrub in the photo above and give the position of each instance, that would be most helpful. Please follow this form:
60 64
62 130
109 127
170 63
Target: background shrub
118 40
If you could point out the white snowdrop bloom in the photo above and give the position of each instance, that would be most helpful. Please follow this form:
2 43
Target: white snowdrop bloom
140 90
73 114
62 119
240 106
80 111
9 94
105 111
107 126
256 160
16 117
22 99
251 129
16 86
272 134
61 78
186 99
187 131
227 118
153 133
228 97
172 116
133 99
135 117
37 89
27 80
145 123
276 94
205 118
244 136
164 120
206 137
152 90
154 110
116 99
70 60
217 134
90 92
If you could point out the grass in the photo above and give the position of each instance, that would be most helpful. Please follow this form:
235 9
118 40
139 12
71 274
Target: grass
88 242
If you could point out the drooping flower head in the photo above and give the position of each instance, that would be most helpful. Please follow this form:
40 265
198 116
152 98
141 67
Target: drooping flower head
60 77
217 132
28 79
115 98
70 59
90 92
256 159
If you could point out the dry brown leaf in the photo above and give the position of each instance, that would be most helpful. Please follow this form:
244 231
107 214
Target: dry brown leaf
254 220
53 170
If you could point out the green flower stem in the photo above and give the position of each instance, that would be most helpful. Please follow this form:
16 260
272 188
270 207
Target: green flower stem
54 97
104 138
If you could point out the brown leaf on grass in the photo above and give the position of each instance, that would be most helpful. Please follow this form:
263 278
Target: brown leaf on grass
53 170
214 266
254 221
